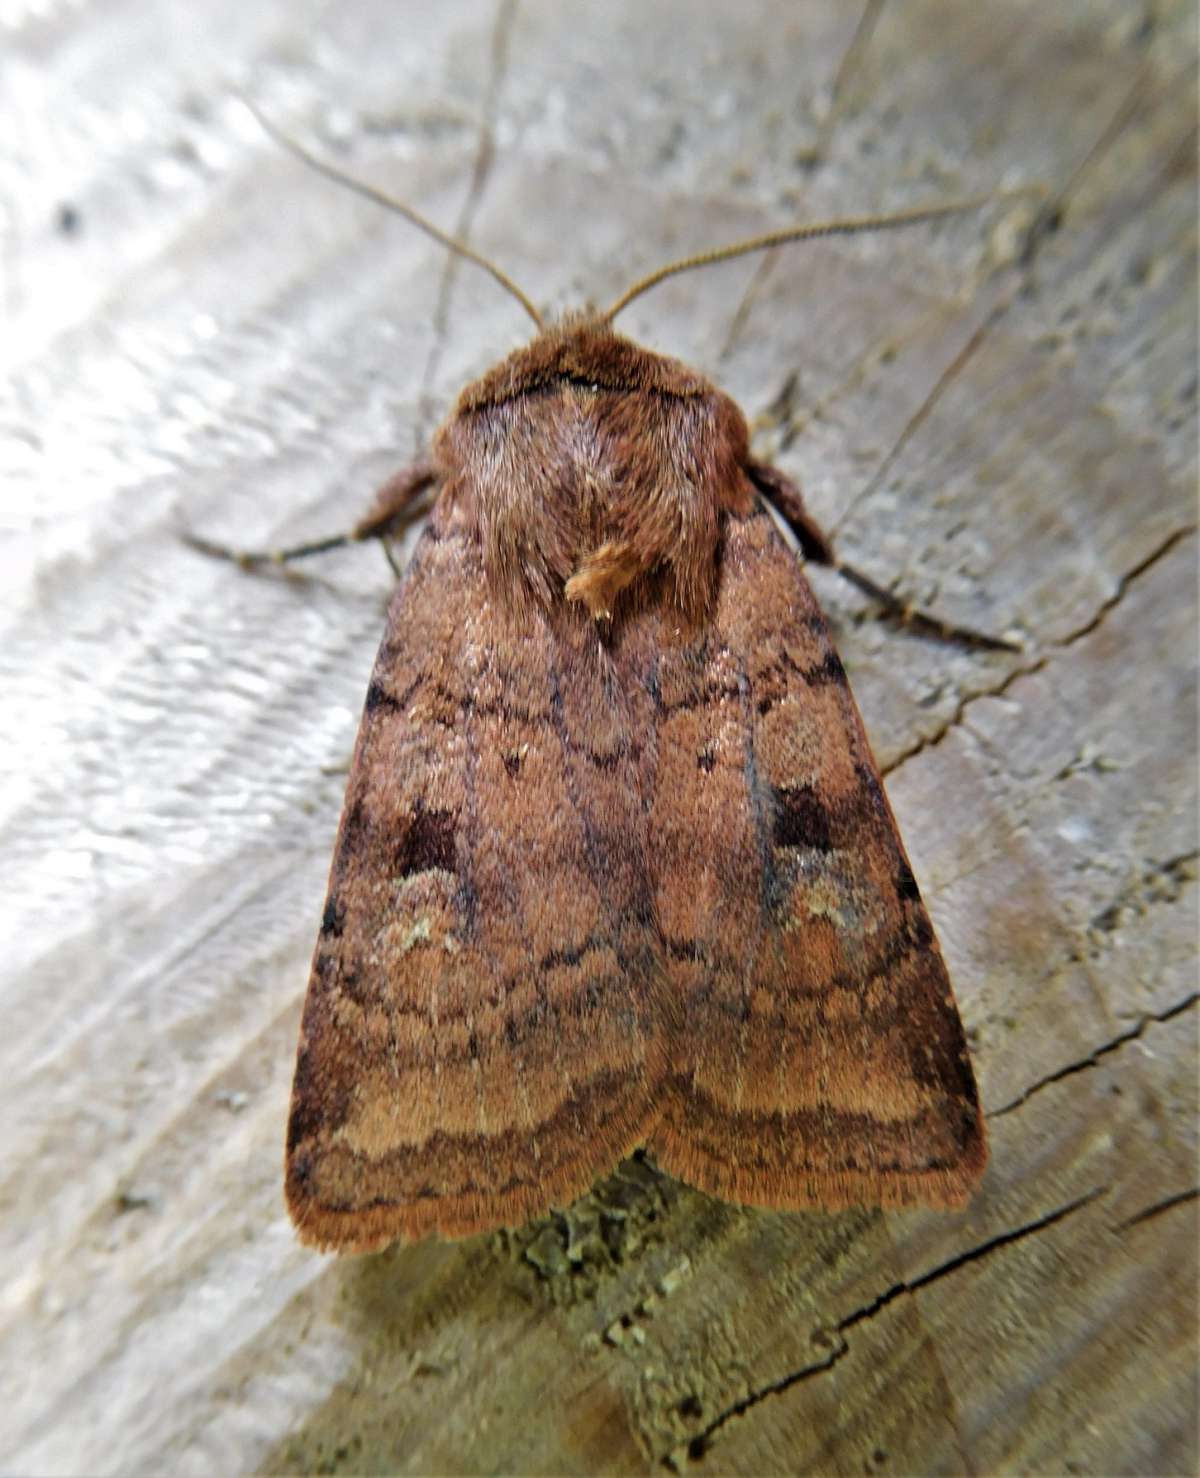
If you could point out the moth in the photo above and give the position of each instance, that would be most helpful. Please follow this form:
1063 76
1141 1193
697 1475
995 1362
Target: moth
615 866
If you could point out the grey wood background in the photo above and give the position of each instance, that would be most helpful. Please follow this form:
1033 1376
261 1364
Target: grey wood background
198 332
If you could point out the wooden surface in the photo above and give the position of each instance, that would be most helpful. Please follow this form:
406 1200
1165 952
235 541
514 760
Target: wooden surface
199 332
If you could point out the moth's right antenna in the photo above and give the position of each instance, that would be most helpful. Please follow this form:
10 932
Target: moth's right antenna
852 226
389 202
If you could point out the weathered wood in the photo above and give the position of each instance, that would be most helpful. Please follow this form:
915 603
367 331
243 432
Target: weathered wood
198 332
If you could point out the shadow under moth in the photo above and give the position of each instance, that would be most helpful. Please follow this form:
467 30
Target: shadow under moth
615 866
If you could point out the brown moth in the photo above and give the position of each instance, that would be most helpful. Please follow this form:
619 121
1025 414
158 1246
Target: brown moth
615 866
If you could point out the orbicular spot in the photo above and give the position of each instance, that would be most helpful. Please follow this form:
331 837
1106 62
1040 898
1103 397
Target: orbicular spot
706 760
801 819
427 843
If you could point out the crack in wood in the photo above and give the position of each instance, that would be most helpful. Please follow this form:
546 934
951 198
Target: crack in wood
1159 1208
699 1444
1093 1058
1124 582
930 741
972 1254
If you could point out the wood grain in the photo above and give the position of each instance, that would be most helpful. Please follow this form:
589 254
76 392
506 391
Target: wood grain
198 333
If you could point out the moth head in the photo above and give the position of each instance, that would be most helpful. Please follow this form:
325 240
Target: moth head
596 474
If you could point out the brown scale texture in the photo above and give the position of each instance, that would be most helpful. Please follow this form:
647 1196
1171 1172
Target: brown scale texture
615 865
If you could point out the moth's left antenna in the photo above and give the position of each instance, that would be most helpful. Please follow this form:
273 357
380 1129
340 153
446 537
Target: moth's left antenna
389 202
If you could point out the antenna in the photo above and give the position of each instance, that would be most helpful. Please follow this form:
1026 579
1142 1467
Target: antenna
389 202
850 226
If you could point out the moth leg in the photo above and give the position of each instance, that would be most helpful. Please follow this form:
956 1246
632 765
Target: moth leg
785 497
397 504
